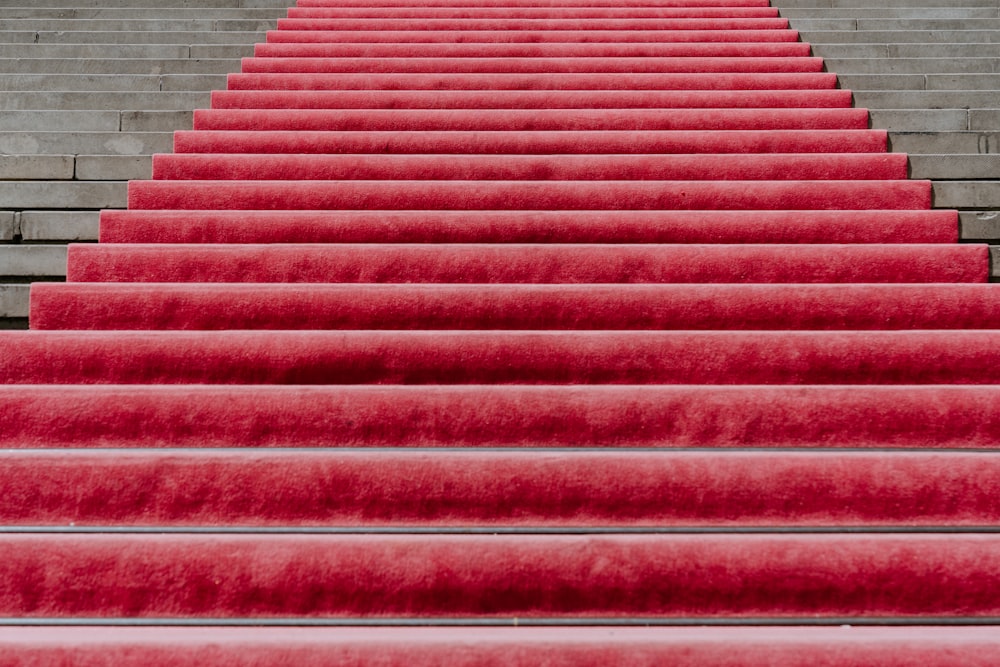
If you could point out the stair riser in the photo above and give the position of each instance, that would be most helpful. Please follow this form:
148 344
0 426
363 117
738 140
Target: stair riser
442 489
575 195
488 120
631 82
527 50
517 647
852 416
529 66
930 226
523 36
714 167
529 99
530 142
441 357
545 263
563 307
705 577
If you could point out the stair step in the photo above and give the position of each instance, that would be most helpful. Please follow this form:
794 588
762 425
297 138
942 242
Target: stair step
537 12
954 50
577 82
920 99
758 416
529 50
134 12
126 37
110 82
929 65
117 66
517 263
546 99
612 167
13 306
47 226
70 167
546 65
522 36
25 262
623 307
959 167
900 36
462 576
547 489
578 142
63 194
967 194
523 195
153 226
72 100
863 82
790 10
514 357
84 143
748 25
589 646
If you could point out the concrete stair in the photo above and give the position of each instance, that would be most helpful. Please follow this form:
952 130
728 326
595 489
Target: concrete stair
929 75
88 92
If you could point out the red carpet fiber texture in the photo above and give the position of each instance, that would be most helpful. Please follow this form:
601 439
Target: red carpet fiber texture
512 332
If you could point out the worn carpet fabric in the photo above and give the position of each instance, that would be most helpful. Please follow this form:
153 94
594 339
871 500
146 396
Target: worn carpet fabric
450 315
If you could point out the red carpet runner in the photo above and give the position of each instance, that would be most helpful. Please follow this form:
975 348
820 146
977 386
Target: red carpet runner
565 313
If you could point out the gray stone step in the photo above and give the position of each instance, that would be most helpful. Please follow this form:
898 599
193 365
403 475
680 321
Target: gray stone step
14 306
52 226
955 167
887 65
925 99
883 24
117 66
7 226
44 120
74 167
946 143
129 37
120 51
972 195
223 50
912 81
900 36
979 225
146 13
23 262
92 195
175 4
882 3
935 120
890 12
915 50
111 82
140 25
85 143
151 101
74 51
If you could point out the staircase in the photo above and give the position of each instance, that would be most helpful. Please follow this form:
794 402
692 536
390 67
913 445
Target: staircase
478 332
89 90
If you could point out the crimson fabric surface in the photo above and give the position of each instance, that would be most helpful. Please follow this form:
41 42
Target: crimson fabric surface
165 226
480 312
733 306
432 488
866 416
94 646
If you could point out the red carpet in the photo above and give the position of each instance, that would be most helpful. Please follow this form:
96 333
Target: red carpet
503 312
